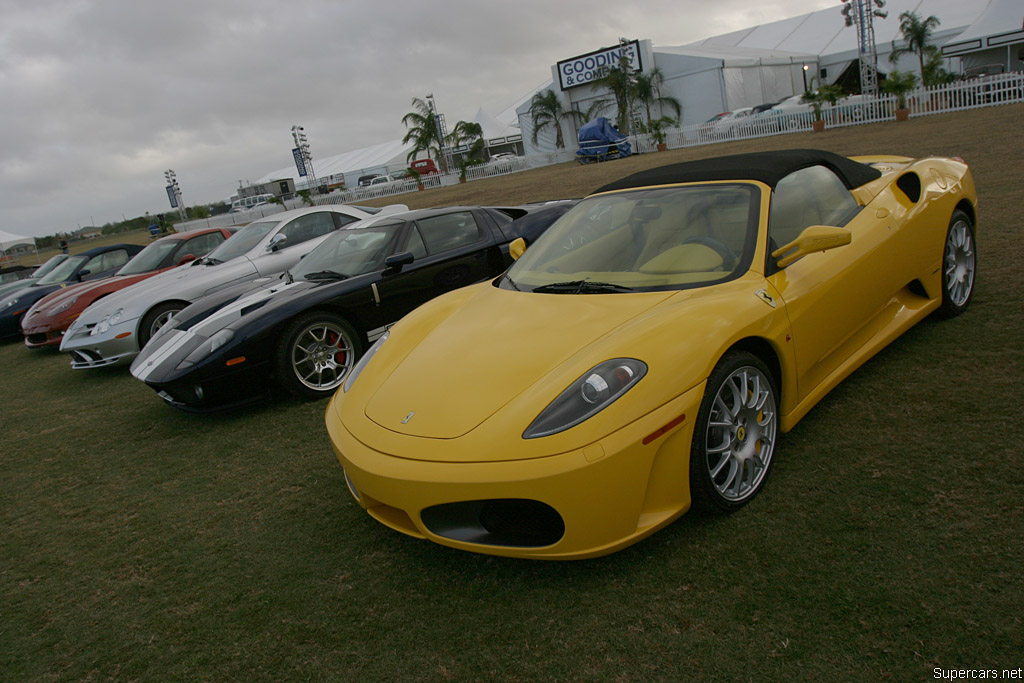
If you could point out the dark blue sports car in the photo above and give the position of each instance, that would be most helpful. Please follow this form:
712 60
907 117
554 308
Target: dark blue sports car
93 264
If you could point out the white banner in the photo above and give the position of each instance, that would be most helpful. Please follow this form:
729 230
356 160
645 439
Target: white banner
585 68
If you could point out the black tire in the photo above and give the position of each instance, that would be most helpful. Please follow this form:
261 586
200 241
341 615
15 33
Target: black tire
156 318
739 440
315 353
959 265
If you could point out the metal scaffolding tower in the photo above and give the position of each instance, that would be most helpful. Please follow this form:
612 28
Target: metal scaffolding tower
860 13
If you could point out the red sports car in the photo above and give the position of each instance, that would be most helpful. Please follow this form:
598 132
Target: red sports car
44 324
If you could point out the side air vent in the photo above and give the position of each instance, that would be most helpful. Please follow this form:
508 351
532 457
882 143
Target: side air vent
910 183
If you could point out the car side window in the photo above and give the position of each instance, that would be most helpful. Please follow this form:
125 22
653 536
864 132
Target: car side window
106 261
343 219
307 227
810 196
199 246
415 243
450 231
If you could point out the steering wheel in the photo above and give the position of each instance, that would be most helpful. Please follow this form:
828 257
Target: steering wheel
729 257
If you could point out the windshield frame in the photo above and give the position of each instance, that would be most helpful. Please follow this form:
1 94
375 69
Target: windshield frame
326 256
242 237
143 258
577 230
64 269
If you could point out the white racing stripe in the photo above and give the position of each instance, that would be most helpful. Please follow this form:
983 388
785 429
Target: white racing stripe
171 343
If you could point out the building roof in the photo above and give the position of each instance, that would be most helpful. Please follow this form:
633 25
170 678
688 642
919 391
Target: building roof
823 32
1001 23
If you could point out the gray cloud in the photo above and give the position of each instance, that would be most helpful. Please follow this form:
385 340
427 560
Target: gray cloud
101 96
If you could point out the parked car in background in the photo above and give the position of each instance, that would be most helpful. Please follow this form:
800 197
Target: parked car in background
15 273
115 328
44 324
305 330
7 288
723 126
590 396
424 167
93 264
365 180
248 203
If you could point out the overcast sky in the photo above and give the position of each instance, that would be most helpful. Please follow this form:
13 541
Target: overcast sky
98 98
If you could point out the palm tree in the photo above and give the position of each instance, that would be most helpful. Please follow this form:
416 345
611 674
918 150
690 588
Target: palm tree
622 83
469 132
647 90
547 110
424 133
916 32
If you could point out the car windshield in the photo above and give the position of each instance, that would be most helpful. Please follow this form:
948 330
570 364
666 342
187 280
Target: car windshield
63 271
149 258
641 240
242 241
50 265
350 252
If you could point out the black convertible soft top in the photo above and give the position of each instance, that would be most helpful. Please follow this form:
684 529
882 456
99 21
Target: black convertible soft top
767 167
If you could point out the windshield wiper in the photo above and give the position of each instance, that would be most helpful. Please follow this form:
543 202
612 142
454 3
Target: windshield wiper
511 283
326 275
582 287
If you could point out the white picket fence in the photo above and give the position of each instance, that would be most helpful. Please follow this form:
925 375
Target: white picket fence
975 93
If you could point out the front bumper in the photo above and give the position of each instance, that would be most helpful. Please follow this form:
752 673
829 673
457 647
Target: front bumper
585 503
117 346
39 336
199 392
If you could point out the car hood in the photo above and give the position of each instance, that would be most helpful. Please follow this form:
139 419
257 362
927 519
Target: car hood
541 336
88 290
270 290
185 283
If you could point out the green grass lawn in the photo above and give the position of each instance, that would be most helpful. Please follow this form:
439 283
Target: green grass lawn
140 543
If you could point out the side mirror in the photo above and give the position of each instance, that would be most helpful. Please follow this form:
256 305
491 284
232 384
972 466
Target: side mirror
277 241
186 258
812 239
396 261
82 274
517 248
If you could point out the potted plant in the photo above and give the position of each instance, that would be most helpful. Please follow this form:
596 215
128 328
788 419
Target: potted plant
899 84
826 94
657 129
415 175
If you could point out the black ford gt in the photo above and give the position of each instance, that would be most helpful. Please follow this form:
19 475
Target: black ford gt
304 331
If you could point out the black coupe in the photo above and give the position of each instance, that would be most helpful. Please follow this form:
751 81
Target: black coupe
304 330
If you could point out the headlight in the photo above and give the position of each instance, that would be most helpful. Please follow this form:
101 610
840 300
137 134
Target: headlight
364 360
108 320
210 345
590 394
11 303
65 306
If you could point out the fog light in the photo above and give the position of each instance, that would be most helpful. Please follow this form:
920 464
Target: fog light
199 391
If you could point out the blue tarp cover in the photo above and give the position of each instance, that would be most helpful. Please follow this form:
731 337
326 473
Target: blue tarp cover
597 136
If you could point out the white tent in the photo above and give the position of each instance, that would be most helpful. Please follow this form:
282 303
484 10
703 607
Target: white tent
348 166
996 38
8 240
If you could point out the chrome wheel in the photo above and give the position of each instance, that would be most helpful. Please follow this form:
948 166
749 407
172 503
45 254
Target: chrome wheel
959 263
160 321
740 436
322 355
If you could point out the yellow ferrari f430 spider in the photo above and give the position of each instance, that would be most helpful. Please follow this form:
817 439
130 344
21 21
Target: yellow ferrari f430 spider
644 355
